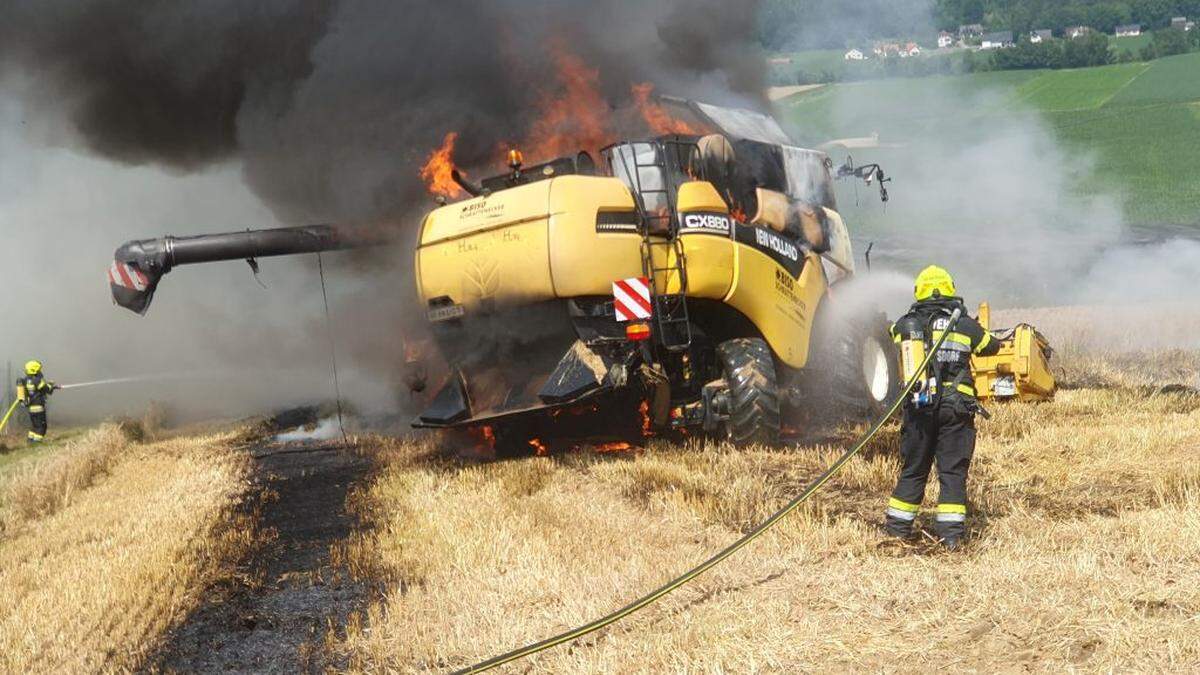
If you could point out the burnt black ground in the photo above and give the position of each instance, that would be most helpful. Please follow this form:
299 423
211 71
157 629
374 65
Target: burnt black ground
273 618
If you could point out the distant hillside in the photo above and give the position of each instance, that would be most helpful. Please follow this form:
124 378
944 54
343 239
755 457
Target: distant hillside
1137 124
832 24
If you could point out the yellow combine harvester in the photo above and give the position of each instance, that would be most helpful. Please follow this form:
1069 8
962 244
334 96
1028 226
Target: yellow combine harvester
692 271
693 278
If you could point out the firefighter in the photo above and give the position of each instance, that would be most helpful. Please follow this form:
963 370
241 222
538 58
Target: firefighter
32 391
939 418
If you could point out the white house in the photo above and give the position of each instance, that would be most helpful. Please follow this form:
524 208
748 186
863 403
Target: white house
1039 36
998 40
1128 30
1077 31
910 49
855 55
945 40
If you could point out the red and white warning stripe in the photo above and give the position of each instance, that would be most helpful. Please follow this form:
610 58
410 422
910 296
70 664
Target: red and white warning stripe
631 299
127 276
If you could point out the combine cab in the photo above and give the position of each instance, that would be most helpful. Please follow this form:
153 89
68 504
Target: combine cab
685 282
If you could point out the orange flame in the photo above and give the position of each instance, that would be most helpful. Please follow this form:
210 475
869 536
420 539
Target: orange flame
575 118
483 436
656 116
437 169
644 409
617 446
539 448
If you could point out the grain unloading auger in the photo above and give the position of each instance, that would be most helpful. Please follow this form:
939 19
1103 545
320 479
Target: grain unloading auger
682 282
138 266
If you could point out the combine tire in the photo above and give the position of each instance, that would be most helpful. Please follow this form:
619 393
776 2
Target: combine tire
749 371
864 366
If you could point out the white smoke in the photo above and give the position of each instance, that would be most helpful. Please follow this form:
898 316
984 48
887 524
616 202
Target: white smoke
325 430
1162 272
61 215
997 199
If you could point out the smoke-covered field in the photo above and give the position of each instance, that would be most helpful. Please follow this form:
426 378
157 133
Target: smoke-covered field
150 545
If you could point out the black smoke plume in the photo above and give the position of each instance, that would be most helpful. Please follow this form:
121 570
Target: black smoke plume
332 105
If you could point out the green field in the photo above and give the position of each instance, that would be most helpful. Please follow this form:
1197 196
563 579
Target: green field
1132 44
813 64
1084 89
1137 124
1171 80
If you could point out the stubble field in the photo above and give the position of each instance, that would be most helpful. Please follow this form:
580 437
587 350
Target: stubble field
1084 554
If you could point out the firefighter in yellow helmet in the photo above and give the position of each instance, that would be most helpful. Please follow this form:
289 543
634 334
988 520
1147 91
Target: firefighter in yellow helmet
939 418
32 391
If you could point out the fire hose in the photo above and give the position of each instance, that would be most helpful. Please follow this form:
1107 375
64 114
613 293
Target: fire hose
750 536
93 383
11 408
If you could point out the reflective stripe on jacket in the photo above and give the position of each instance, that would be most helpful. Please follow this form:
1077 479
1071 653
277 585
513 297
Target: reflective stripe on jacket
33 390
951 366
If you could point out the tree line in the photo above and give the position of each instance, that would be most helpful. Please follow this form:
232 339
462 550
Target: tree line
1090 50
1022 16
1093 49
795 25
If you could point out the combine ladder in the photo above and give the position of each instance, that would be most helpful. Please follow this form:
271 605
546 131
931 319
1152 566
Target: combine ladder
663 260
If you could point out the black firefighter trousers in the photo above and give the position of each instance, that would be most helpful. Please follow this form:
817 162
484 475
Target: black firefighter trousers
37 426
945 433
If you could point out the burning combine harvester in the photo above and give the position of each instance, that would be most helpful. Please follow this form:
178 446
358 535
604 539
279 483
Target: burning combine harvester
683 282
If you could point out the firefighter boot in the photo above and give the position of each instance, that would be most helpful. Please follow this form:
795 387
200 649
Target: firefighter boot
898 521
951 525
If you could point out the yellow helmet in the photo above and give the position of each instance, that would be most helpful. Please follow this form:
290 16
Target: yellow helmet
934 280
33 367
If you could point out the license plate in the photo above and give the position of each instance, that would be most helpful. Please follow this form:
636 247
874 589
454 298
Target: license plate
446 312
1005 386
